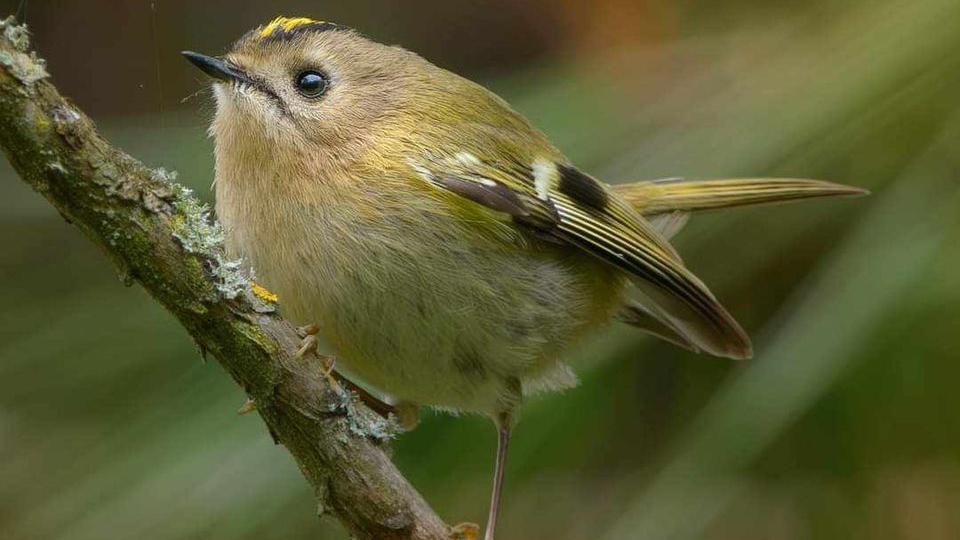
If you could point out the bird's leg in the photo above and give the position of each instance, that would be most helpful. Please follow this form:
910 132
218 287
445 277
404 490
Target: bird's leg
502 421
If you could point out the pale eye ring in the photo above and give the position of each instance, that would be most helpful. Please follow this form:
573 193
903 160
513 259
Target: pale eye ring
312 84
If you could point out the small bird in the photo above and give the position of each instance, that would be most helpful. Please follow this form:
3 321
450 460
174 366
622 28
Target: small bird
444 248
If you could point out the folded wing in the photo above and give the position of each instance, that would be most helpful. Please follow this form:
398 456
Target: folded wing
557 200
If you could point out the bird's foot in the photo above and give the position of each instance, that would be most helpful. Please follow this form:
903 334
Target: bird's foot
309 343
328 363
337 381
309 347
465 531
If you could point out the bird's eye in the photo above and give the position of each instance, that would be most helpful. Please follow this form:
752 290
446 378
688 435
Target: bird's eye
312 84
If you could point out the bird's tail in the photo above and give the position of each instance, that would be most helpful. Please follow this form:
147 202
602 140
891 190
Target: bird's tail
667 204
654 197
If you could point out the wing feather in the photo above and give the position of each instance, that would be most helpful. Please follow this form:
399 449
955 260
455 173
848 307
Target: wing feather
684 301
611 231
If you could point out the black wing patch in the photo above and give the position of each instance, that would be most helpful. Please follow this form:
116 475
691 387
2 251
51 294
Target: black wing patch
582 188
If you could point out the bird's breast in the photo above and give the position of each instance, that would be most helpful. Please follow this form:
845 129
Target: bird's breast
419 302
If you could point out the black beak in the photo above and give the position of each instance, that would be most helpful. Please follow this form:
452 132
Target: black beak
216 67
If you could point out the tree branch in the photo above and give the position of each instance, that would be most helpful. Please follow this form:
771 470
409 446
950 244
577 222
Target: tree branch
160 236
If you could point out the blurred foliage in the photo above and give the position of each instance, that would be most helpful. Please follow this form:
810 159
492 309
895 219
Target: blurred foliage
843 426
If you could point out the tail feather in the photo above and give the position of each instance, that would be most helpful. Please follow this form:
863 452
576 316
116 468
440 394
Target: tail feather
681 195
667 204
656 325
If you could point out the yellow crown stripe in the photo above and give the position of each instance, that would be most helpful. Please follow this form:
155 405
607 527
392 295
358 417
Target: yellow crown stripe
286 24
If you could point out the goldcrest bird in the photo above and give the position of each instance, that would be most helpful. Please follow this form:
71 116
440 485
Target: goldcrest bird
444 248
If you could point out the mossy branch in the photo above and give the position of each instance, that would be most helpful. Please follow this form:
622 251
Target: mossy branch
157 234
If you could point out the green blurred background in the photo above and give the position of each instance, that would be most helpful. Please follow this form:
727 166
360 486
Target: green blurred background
845 425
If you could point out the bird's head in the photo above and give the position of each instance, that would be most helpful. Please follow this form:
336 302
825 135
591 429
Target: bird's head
301 81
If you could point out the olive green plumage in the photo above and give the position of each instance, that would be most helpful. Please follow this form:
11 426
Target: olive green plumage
446 250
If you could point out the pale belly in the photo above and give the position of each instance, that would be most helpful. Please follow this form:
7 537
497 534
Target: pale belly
432 319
